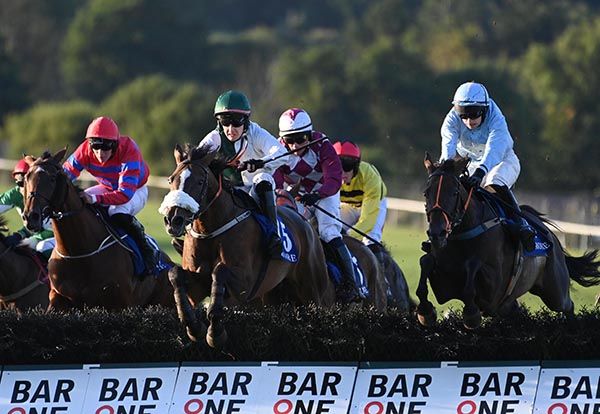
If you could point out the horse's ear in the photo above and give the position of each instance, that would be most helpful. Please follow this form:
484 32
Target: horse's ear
461 163
178 153
428 163
29 159
59 155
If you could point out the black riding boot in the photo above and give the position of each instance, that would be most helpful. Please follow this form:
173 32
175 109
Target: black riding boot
346 290
135 229
266 198
526 232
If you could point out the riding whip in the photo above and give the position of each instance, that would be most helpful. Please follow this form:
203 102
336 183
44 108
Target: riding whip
321 209
294 150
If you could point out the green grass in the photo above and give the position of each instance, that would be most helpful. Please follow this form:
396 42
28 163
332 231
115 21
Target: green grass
403 242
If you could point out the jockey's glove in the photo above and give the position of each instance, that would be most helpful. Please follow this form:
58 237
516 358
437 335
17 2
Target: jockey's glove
13 239
474 180
309 199
251 165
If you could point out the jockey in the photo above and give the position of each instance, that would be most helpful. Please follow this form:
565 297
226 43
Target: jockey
116 163
363 197
42 241
318 170
246 145
476 128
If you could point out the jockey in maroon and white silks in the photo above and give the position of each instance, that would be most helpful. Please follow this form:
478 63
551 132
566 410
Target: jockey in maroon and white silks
319 171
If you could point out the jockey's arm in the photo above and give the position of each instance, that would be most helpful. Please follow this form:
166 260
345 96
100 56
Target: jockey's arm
373 194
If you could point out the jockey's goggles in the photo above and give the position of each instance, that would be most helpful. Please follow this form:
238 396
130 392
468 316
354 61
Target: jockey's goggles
470 112
348 163
297 138
101 144
235 121
20 183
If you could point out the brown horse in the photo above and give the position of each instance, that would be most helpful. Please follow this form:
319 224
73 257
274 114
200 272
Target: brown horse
23 277
368 263
223 253
88 266
474 257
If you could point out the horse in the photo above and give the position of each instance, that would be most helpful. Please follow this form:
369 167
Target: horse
23 277
223 252
476 259
366 260
399 295
89 265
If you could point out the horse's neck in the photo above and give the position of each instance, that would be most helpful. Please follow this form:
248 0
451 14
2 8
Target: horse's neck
80 227
477 212
16 272
222 210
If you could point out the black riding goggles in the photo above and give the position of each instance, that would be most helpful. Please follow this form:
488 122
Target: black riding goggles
470 112
235 121
102 144
348 163
298 138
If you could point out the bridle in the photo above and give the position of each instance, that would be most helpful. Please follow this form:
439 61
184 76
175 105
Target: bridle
50 210
454 217
203 188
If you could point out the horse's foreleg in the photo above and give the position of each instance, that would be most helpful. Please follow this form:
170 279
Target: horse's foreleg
179 280
217 335
471 312
425 311
58 302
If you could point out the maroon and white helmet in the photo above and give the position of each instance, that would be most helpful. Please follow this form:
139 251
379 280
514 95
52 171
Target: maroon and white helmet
294 120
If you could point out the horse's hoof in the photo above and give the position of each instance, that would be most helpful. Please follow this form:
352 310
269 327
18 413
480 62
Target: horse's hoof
216 340
427 319
472 320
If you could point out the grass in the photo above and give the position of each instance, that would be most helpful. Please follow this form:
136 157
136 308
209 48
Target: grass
403 242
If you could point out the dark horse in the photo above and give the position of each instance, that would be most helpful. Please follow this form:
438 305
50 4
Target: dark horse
474 258
88 267
23 277
223 252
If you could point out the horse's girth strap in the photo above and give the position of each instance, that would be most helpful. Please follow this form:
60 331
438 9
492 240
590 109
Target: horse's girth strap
21 292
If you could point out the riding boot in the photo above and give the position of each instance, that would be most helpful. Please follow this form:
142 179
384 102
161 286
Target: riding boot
135 229
526 232
346 290
266 197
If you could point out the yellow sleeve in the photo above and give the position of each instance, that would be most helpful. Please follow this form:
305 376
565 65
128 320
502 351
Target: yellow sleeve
374 191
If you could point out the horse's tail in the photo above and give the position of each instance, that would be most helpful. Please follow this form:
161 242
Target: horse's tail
584 269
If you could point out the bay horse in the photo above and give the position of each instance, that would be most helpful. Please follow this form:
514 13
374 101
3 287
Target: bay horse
367 261
223 252
88 266
475 258
23 277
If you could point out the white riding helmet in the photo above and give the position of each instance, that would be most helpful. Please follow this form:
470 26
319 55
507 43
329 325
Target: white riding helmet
471 94
294 120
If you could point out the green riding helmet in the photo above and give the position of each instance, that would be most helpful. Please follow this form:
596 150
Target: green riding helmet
232 102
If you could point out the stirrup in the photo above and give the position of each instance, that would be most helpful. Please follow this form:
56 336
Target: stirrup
275 247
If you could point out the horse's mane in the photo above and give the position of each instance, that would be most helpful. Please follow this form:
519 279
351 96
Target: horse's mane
217 164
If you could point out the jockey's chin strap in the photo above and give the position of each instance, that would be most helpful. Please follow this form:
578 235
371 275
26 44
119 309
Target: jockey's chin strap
455 217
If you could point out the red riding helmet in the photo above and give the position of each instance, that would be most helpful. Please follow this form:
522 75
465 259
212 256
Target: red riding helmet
103 127
347 149
20 168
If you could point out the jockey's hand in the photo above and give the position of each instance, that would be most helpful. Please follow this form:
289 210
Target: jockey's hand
86 197
309 199
251 165
13 240
474 181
